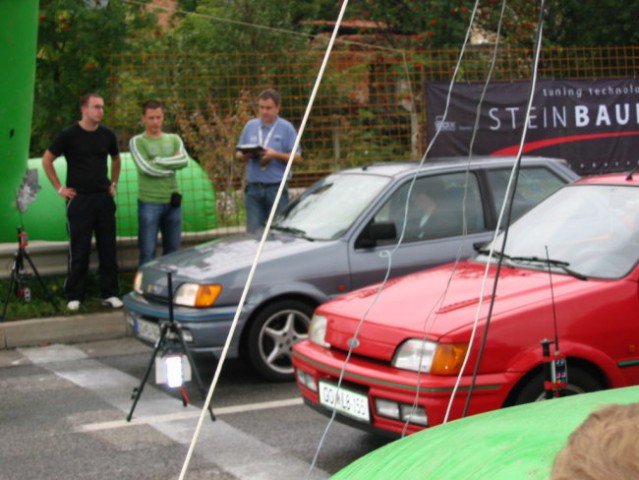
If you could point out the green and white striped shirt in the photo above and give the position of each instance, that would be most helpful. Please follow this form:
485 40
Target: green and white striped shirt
157 160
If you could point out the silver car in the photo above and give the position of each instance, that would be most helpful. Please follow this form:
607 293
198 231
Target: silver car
340 235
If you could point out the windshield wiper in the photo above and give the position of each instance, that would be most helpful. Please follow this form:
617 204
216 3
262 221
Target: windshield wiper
496 253
553 263
546 261
293 231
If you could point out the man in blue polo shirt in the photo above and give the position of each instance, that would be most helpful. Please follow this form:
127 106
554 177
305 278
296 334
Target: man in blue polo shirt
273 138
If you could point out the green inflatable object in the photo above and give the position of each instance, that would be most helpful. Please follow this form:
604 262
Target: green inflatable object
512 443
45 218
18 31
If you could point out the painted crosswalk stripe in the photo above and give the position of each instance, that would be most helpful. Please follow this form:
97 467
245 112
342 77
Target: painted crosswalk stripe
219 412
219 443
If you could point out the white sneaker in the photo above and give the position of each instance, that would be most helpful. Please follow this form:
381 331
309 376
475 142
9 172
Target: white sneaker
113 302
73 305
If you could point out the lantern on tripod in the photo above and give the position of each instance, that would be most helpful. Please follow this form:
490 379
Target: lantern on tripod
175 363
172 367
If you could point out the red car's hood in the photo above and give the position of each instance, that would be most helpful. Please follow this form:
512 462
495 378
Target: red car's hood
436 302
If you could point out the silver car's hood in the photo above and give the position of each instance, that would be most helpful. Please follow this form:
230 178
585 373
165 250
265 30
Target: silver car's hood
229 255
287 263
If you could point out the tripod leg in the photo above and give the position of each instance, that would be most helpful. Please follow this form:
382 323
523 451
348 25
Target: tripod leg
185 396
52 301
194 370
178 331
137 392
12 282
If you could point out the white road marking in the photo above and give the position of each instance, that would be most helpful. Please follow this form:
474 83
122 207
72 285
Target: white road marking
218 443
221 411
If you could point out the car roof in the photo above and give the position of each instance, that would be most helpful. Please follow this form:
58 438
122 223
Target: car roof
515 442
401 168
611 179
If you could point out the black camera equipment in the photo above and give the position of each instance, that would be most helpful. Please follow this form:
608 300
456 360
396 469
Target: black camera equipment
170 343
555 370
19 276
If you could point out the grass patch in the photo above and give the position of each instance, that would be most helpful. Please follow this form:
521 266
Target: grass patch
40 306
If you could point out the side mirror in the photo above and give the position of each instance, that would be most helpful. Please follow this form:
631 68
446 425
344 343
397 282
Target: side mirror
477 246
375 232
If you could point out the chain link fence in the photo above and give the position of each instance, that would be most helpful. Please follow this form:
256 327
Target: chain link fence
370 106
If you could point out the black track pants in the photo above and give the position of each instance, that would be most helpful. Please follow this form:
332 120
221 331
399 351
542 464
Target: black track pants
86 214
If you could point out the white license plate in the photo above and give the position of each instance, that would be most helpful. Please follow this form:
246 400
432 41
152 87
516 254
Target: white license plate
149 331
344 401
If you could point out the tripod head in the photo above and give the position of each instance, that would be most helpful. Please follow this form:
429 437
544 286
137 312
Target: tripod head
169 285
23 238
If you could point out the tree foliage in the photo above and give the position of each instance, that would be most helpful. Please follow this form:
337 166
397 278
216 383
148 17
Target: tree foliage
416 23
575 23
247 25
75 43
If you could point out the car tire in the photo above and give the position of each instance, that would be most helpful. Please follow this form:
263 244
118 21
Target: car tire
579 381
276 328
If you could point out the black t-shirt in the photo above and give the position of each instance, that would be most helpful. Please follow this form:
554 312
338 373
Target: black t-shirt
86 154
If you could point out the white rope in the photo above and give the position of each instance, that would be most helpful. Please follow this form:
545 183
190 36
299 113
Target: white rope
429 317
265 234
281 188
256 25
510 186
390 253
470 153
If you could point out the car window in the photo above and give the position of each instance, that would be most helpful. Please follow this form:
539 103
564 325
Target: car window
435 207
593 229
331 206
534 184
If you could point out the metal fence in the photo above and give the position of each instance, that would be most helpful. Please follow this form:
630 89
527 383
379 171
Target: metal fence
370 106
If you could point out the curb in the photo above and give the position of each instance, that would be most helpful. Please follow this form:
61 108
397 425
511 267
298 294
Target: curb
72 329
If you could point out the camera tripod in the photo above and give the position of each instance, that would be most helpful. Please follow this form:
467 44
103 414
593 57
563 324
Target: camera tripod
170 341
19 276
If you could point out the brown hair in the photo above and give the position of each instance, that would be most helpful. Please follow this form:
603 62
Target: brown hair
151 105
84 99
272 94
604 446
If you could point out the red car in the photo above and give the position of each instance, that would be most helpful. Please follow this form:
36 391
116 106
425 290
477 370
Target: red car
568 272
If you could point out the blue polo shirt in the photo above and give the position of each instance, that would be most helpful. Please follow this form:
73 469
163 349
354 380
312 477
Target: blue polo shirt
280 136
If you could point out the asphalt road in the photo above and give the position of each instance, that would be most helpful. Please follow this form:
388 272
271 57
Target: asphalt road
63 412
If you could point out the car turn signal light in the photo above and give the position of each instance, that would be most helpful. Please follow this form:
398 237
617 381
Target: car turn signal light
207 295
449 358
196 295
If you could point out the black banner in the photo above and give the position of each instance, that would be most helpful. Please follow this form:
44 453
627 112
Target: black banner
594 124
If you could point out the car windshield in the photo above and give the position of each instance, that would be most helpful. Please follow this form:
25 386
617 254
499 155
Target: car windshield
591 230
330 207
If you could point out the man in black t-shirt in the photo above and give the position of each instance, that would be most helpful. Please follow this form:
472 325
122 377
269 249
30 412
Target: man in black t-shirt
89 194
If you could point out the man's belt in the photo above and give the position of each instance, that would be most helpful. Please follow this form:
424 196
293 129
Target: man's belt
264 185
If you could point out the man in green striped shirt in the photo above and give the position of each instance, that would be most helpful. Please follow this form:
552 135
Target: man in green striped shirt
157 156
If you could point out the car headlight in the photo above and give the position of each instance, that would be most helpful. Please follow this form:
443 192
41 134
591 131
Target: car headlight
137 282
430 357
197 295
317 330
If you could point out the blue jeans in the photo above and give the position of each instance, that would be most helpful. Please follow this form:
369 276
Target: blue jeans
154 218
259 199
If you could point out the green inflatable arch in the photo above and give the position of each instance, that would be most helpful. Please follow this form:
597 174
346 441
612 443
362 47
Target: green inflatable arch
18 30
45 217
